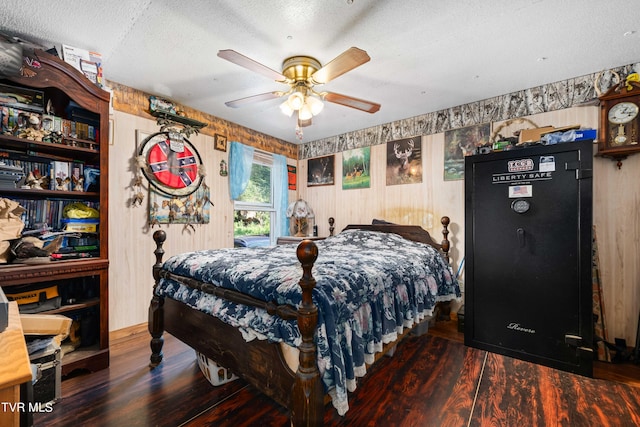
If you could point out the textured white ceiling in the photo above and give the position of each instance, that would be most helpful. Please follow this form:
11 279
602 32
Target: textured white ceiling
426 55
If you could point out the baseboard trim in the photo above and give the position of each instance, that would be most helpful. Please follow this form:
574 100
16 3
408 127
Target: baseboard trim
128 331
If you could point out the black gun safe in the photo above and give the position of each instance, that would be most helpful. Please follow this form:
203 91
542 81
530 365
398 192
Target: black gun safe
528 238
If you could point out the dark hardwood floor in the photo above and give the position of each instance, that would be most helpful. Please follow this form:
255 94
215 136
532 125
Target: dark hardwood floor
432 380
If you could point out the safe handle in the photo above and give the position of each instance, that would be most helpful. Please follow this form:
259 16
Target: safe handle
521 236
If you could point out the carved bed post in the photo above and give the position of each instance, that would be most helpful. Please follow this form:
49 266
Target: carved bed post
445 232
331 227
445 306
156 308
308 393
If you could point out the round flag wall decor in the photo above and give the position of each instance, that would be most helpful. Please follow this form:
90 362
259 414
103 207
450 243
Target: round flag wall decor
172 163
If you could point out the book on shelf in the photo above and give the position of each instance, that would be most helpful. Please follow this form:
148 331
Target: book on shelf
57 124
61 176
66 127
77 176
39 212
62 173
87 62
74 255
90 70
78 245
22 98
80 125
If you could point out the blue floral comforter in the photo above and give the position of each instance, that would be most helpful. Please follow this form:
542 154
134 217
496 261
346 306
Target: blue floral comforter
370 285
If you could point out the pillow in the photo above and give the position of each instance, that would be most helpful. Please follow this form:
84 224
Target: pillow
381 221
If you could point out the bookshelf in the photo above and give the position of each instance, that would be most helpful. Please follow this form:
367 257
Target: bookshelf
81 110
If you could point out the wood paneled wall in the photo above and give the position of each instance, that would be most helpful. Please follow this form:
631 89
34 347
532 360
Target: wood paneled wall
616 207
133 101
131 244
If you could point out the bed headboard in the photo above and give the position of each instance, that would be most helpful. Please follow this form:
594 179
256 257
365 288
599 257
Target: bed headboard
411 232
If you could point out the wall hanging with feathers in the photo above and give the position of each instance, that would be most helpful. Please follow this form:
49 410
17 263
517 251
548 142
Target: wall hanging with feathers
173 167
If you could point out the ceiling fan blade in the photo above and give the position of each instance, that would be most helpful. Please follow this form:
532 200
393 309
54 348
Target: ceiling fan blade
349 101
346 61
250 64
254 98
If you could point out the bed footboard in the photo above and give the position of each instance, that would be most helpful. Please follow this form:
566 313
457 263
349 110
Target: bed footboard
305 398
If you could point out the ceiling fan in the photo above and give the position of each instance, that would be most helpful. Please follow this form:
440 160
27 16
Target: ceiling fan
302 74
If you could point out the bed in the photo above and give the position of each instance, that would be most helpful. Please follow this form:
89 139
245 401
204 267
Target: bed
302 323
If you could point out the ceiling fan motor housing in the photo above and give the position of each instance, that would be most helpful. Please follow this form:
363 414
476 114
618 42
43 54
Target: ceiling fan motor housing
300 68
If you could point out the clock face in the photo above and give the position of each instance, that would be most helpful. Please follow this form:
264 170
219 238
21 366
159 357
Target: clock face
623 112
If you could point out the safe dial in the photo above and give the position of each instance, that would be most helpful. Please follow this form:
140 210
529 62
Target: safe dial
520 205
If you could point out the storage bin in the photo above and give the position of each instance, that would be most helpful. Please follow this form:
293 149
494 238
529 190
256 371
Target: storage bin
81 225
35 298
47 388
217 375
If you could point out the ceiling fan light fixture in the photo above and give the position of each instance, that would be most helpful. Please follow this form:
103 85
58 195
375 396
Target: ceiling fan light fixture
315 105
304 113
286 108
296 101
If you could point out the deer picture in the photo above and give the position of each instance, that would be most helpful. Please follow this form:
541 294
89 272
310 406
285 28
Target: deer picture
319 174
403 154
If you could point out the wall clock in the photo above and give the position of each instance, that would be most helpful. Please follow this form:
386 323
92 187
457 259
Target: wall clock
619 134
171 163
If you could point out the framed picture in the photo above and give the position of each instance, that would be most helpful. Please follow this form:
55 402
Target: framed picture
404 161
111 131
320 171
220 142
292 175
458 144
192 209
356 172
141 135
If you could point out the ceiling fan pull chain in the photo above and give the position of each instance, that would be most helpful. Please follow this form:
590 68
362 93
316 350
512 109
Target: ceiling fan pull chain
299 133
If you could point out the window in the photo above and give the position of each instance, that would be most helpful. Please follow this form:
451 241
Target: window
255 214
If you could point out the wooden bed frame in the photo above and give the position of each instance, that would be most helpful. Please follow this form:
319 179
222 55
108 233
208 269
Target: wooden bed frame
259 362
